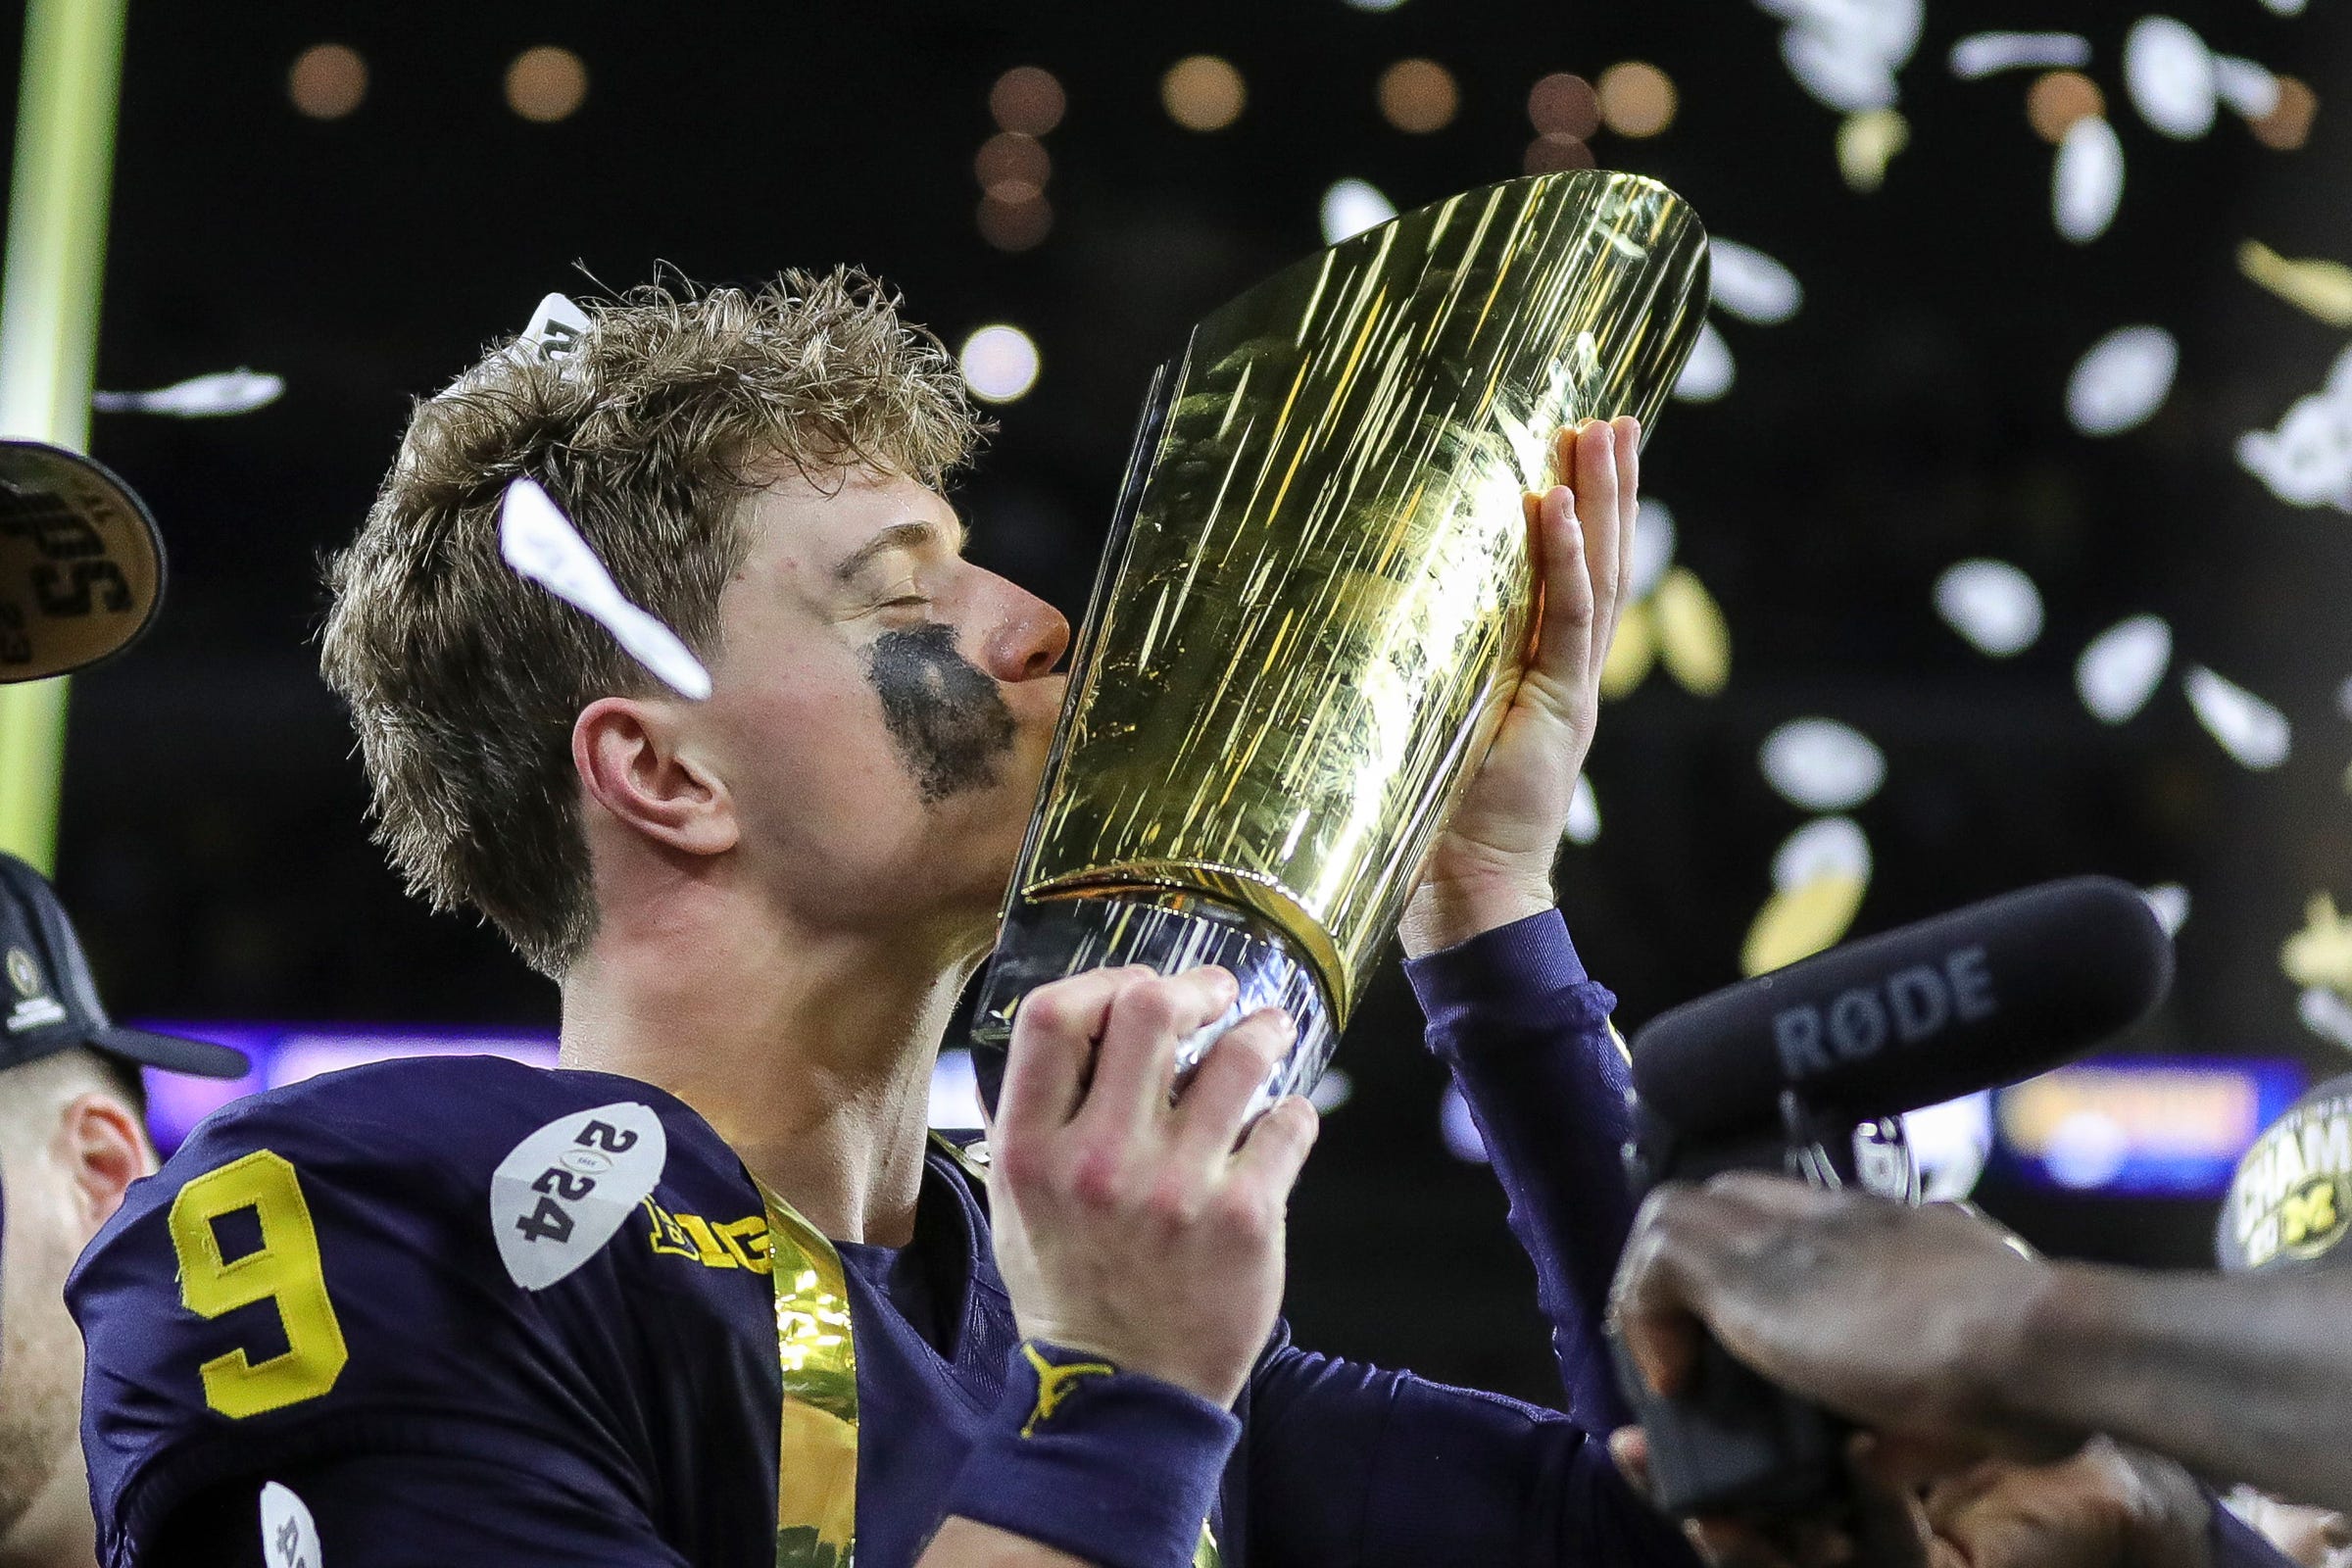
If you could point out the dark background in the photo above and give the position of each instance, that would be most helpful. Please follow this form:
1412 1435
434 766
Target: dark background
1910 415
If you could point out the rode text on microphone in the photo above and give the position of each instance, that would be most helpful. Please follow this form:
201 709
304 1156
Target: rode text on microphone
1804 1071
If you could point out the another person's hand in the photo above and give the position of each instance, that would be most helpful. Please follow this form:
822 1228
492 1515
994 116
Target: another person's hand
1493 864
1127 1226
1900 1319
2107 1506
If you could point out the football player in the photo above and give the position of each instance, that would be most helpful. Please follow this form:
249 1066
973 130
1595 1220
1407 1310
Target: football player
710 1294
72 1139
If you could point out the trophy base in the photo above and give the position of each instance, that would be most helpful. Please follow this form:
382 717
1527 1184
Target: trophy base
1169 932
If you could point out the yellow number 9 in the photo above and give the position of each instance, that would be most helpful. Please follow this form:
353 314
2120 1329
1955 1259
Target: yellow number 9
285 1268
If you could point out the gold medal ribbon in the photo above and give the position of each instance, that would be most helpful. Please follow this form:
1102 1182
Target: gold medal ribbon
816 1456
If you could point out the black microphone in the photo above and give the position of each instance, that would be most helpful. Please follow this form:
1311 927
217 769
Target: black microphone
1982 997
1776 1072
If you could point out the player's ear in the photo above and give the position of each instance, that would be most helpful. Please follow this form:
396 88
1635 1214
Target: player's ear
635 763
103 1149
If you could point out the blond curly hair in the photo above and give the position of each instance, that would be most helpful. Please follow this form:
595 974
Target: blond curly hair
463 680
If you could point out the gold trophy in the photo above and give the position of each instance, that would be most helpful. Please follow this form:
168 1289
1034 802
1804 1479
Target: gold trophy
1316 599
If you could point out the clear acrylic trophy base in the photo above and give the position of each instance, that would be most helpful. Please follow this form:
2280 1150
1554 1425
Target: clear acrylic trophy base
1170 932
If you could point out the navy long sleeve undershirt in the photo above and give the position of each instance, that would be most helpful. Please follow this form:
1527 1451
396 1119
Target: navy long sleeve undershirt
1525 1033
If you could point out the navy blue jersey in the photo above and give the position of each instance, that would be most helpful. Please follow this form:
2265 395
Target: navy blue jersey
476 1312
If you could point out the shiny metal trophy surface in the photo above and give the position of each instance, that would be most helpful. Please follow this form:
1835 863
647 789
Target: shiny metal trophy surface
1317 596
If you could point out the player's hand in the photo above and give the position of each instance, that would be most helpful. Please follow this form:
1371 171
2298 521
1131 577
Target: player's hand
1129 1227
1493 864
1905 1320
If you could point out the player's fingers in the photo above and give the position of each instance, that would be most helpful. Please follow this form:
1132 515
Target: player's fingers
1564 635
1270 1156
1209 1113
1629 1447
1629 500
1134 1063
1054 1031
1598 494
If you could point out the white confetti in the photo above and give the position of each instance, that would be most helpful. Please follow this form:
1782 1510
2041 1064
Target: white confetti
2123 666
1991 604
2307 462
2170 75
1837 71
1981 54
1830 846
1653 546
2249 729
2285 8
2122 381
2249 90
1752 285
1352 206
238 391
2344 698
1708 373
2086 182
2325 1015
539 542
2170 900
1584 812
1846 53
1821 765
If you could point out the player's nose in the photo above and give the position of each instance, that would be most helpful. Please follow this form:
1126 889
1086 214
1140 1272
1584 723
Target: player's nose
1027 636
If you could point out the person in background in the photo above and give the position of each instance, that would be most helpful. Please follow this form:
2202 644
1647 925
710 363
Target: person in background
81 575
2289 1210
1980 1367
73 1138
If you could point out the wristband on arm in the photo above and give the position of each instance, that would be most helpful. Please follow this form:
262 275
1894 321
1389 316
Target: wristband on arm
1116 1468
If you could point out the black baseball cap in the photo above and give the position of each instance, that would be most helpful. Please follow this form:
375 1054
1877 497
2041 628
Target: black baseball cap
2290 1204
82 563
51 1003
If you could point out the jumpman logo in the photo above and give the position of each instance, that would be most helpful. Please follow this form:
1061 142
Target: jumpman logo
1053 1384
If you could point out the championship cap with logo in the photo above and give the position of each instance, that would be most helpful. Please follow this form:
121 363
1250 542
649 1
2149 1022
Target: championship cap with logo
81 564
51 1003
2290 1204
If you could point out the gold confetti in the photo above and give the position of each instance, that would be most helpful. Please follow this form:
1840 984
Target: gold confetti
1801 921
1693 638
1867 142
2320 953
2322 287
1632 653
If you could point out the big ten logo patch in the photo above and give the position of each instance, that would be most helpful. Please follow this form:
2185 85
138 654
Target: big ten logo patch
71 575
732 1244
